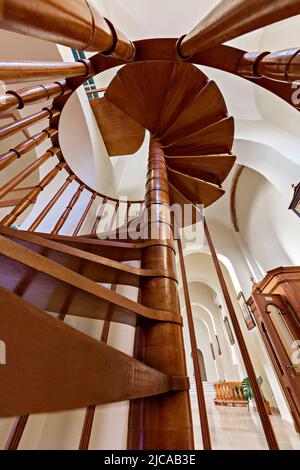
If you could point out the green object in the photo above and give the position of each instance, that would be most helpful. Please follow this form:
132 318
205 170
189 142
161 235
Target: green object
247 391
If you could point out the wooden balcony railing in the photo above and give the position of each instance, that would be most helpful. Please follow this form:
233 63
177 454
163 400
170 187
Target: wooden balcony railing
229 394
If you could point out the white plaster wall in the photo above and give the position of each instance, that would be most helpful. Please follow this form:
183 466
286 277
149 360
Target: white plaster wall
269 230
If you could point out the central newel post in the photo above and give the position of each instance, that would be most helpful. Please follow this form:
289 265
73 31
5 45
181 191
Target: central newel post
163 421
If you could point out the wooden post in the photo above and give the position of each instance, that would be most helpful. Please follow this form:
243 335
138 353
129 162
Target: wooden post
282 66
99 216
265 420
7 187
31 197
84 215
63 218
22 72
160 422
22 124
24 147
53 200
76 24
199 384
38 94
233 18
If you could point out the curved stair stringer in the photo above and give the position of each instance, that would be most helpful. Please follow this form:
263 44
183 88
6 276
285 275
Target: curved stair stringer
55 288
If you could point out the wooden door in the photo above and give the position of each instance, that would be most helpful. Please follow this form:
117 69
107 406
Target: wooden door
280 330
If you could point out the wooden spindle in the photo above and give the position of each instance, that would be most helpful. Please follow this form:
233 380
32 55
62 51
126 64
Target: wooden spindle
31 197
22 72
25 147
233 18
63 218
90 411
19 99
99 216
265 420
13 128
84 215
282 66
53 200
199 384
127 212
6 188
78 24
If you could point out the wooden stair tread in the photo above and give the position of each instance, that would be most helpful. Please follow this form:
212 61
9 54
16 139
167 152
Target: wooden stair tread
206 108
52 287
195 190
216 138
212 168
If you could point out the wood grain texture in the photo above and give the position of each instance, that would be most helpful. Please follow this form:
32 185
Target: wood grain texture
78 24
233 18
160 346
47 285
53 367
121 134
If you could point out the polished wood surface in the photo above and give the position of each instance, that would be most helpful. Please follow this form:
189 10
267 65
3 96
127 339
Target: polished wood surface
233 18
167 97
65 373
22 72
282 66
229 394
32 95
23 124
121 134
15 181
264 417
234 219
78 24
160 345
24 147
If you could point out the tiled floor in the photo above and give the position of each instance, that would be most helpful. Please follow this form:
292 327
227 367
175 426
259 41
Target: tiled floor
238 429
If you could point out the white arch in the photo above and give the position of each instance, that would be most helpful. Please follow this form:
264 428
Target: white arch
2 353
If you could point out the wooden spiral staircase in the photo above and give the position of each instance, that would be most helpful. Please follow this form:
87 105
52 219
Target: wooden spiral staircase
50 366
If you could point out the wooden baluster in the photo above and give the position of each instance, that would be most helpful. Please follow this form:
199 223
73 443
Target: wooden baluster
233 18
22 124
90 411
18 428
265 420
127 212
84 215
78 24
99 216
22 72
32 95
282 66
63 218
25 147
52 201
31 197
199 384
164 421
6 188
114 216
